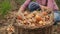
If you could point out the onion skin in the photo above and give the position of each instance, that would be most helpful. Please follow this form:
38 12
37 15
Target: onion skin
19 17
44 13
38 18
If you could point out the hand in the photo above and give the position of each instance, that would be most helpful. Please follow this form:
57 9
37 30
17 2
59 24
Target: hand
44 7
20 11
20 14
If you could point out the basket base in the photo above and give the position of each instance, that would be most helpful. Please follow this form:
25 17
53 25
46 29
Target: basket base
46 30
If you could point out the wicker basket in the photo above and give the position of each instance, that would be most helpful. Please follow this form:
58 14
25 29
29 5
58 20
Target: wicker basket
45 30
50 22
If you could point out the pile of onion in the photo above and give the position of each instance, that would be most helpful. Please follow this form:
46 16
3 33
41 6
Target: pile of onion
34 19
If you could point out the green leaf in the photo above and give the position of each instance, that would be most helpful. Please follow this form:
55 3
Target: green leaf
4 7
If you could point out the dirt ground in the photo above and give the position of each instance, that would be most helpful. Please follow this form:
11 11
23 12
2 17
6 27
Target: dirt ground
57 28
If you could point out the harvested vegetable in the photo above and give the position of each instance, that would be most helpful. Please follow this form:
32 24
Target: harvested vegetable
44 13
38 18
35 19
19 17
